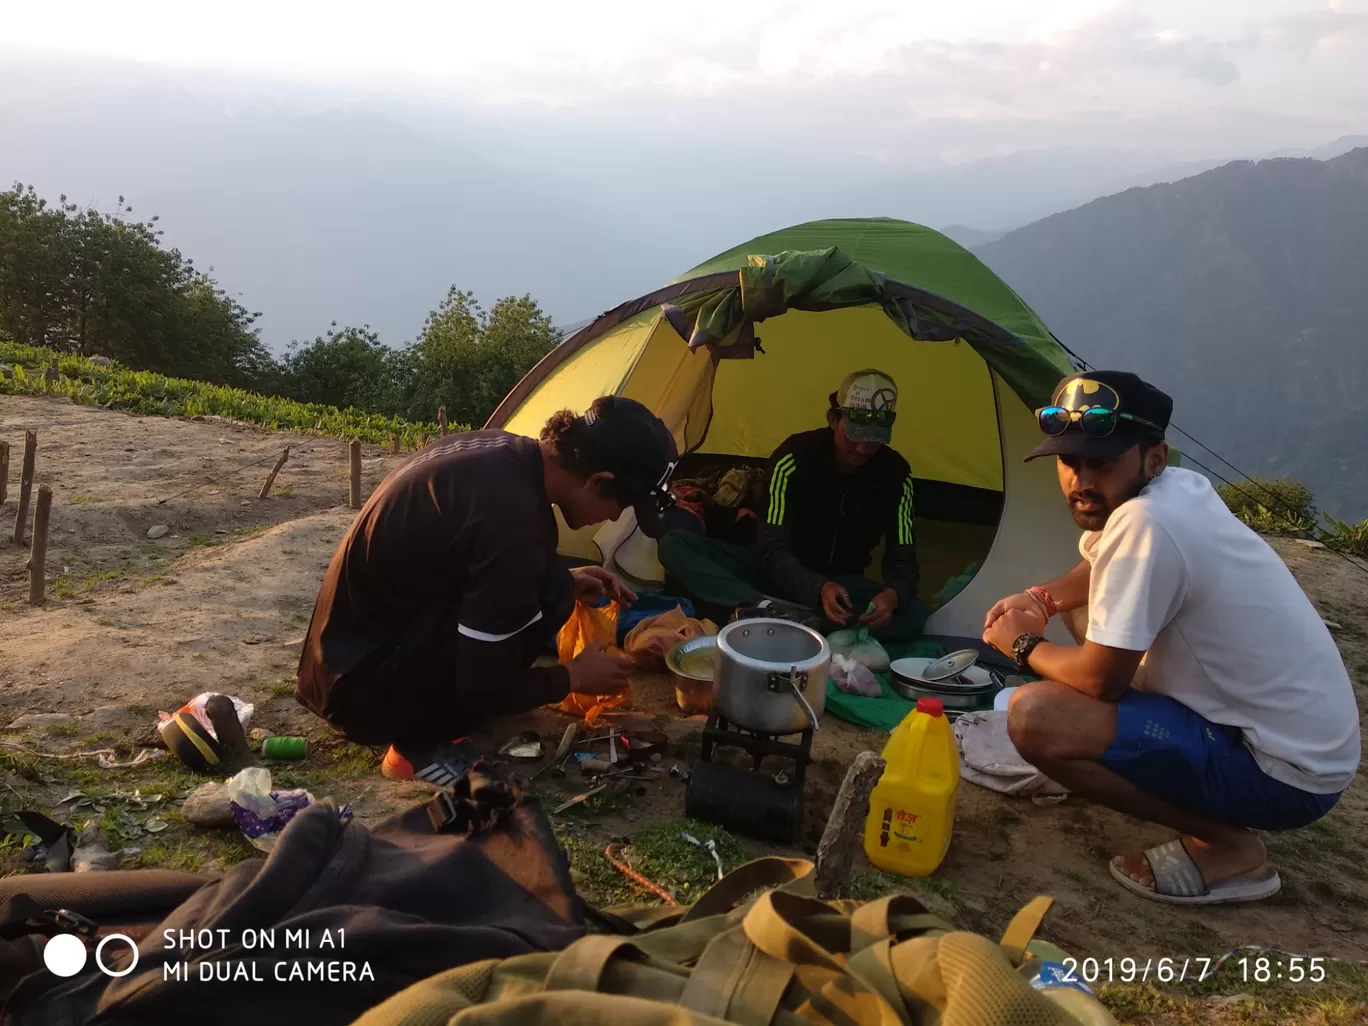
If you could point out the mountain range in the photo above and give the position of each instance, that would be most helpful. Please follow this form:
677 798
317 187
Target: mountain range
1239 291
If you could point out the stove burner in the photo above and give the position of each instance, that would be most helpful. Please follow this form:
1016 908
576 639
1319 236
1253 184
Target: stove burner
756 802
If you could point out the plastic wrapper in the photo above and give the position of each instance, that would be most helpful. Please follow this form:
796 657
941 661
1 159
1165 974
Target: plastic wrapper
651 640
195 708
261 813
858 645
588 624
854 678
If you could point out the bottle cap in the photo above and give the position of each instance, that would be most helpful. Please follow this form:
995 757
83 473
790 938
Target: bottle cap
931 706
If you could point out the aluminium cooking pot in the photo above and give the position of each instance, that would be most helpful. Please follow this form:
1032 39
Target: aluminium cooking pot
771 675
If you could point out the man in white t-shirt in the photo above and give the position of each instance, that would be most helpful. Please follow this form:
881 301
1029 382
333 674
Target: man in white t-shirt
1207 694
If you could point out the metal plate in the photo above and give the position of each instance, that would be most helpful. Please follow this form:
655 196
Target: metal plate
951 665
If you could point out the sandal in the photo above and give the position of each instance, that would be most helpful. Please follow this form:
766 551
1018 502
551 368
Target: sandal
1178 881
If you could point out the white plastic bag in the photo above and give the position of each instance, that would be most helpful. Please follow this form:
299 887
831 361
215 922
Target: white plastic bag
854 678
260 812
858 645
195 708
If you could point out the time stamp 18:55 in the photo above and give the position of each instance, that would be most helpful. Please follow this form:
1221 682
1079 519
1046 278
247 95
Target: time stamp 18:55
1257 969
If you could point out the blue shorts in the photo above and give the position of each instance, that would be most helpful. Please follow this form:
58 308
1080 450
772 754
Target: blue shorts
1164 748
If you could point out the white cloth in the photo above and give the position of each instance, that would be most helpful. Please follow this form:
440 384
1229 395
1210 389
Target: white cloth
1227 630
988 757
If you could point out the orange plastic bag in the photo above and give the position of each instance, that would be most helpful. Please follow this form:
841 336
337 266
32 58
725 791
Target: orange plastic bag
587 624
650 641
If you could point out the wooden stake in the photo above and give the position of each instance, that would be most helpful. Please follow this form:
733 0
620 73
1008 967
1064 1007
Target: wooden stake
441 420
394 445
845 829
4 471
354 493
37 560
26 484
270 478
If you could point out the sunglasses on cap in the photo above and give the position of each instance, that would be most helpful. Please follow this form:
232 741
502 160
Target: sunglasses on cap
1095 421
862 415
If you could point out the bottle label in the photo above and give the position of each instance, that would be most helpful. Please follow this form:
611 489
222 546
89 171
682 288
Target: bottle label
1053 974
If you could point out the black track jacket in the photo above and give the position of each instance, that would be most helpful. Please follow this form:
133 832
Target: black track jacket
820 523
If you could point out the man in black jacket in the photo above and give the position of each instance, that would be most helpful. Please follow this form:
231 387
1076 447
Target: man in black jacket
833 494
447 586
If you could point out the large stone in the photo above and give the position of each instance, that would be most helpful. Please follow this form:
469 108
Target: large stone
208 806
39 720
159 531
114 717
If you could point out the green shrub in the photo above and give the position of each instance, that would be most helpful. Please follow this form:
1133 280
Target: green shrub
118 388
1345 537
1274 505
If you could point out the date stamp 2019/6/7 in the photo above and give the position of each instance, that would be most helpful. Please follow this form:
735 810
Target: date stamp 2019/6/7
1195 968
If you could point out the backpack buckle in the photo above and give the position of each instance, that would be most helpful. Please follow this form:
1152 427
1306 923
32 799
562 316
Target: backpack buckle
71 922
441 811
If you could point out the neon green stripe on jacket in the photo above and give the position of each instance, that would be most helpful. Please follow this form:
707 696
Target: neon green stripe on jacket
778 488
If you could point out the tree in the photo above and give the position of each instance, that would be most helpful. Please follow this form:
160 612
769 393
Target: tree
346 367
78 280
467 359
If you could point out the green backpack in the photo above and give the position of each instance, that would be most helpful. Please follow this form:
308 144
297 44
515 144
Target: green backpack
759 949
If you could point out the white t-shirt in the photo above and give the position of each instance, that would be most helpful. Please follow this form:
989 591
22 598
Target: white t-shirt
1226 629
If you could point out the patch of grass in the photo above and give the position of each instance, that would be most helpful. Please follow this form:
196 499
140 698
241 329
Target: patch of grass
144 392
74 587
1341 998
81 500
21 765
61 730
288 552
247 532
285 492
656 852
282 688
202 541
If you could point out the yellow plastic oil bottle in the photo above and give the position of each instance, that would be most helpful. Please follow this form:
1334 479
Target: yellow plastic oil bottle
912 808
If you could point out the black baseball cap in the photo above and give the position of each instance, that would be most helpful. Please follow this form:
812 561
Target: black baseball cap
1145 415
635 446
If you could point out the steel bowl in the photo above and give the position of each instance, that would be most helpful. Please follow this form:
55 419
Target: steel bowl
693 692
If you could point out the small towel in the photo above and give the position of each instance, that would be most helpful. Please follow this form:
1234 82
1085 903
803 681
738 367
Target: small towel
988 758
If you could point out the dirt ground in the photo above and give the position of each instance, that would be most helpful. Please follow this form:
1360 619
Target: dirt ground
221 603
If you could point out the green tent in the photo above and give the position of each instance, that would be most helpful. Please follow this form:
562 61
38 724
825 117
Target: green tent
744 349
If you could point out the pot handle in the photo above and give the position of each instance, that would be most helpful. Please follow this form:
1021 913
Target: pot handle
798 694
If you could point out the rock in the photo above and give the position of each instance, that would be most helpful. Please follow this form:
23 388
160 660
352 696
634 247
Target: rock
113 717
159 531
259 734
102 361
208 806
31 720
6 371
1310 543
1332 625
92 854
1228 1000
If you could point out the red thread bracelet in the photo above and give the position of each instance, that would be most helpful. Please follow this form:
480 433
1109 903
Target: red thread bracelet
1048 605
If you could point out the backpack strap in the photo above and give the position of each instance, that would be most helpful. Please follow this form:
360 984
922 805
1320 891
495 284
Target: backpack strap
1023 927
581 965
793 876
737 982
894 914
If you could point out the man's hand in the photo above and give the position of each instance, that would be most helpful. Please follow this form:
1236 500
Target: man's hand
1022 602
1011 625
884 605
836 603
593 582
596 671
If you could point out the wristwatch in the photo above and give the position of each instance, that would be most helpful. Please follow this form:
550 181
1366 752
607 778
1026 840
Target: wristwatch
1022 649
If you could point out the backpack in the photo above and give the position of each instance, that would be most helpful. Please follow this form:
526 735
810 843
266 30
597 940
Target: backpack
759 949
475 873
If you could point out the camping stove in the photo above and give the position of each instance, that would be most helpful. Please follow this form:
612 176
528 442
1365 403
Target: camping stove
764 801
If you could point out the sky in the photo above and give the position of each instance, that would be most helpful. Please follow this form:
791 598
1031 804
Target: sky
666 132
1035 72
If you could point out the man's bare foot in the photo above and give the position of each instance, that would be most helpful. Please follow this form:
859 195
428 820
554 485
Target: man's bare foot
1217 863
